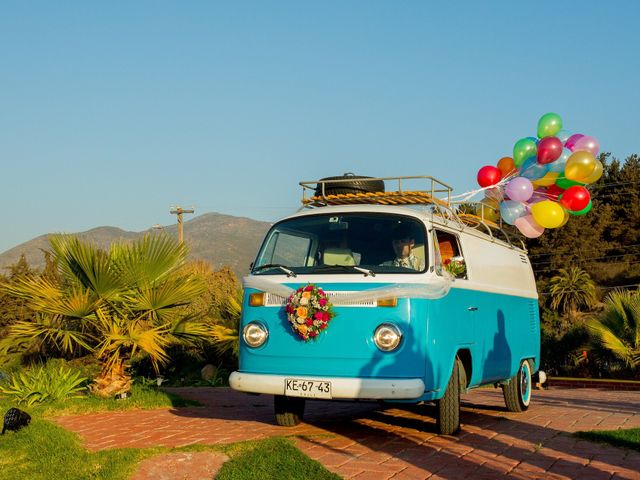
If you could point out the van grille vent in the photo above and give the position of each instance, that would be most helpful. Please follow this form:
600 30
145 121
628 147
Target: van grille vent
524 259
337 298
533 307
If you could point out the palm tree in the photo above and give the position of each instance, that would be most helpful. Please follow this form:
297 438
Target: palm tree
571 290
618 328
226 330
114 303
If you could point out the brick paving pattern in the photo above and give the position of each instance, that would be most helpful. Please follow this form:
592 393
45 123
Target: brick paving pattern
370 440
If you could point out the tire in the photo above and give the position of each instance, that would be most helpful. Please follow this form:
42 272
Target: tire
517 393
356 184
289 411
448 407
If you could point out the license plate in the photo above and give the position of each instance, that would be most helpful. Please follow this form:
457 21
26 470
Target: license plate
297 387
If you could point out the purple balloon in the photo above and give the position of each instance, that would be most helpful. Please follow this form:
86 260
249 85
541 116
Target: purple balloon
571 141
519 189
589 144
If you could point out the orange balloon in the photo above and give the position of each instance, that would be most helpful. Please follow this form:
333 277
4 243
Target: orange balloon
506 166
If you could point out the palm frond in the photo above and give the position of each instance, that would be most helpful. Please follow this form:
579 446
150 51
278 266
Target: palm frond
149 259
225 339
87 264
54 330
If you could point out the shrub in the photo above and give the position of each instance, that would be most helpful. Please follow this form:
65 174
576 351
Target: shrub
44 383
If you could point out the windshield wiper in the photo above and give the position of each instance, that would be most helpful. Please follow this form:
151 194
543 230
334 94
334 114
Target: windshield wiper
366 271
290 273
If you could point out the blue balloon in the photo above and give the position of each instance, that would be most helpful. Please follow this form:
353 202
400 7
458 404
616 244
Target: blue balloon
533 170
559 164
510 211
535 139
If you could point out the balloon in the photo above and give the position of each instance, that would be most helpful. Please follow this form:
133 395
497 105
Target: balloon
549 149
548 214
494 193
528 226
554 191
533 170
597 173
549 179
488 175
564 183
580 166
575 198
571 141
488 209
523 149
534 139
584 211
563 135
519 189
589 144
506 166
549 124
510 210
561 162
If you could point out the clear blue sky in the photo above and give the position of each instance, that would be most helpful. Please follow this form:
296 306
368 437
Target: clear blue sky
110 112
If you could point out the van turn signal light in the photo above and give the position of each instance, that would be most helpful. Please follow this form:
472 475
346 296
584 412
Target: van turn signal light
388 302
256 299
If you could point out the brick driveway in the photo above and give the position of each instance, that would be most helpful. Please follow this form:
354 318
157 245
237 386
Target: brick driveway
375 441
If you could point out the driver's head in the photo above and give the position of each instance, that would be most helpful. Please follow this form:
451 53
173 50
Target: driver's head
403 241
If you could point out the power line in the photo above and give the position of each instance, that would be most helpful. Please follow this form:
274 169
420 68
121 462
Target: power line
591 259
620 247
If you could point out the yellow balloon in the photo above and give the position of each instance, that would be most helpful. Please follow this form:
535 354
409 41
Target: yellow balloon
597 173
548 214
580 166
549 179
488 209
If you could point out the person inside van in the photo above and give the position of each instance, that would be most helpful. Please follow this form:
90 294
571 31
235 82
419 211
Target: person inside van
403 242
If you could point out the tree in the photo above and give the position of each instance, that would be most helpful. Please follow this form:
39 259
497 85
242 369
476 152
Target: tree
571 290
618 328
114 303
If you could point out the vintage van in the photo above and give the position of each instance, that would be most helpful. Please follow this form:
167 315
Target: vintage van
421 331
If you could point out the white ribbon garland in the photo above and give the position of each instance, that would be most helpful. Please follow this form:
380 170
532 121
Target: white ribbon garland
435 287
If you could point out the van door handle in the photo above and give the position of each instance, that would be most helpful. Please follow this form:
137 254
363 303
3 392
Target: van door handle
472 309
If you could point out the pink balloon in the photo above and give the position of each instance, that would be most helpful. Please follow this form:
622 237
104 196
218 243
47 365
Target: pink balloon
571 141
528 226
589 144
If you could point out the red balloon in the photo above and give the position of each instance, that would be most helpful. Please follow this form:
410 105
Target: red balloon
489 175
553 192
575 198
549 149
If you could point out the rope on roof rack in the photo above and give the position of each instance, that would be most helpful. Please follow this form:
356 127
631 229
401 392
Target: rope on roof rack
378 198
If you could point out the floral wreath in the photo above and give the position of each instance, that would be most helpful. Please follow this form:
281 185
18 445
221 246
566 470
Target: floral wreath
309 311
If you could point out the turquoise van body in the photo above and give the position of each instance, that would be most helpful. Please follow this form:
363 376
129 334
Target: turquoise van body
482 329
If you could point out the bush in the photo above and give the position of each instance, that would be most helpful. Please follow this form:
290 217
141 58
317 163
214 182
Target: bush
44 383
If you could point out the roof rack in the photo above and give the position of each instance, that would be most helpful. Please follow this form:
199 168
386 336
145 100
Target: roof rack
411 190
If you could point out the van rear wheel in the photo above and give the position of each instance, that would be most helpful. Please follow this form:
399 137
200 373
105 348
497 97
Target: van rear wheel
448 407
517 393
289 410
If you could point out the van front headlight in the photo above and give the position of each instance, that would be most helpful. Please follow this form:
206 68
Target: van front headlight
255 334
387 337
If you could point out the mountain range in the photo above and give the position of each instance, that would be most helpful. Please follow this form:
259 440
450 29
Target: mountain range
222 240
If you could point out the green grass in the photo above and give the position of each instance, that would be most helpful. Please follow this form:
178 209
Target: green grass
629 438
43 450
274 458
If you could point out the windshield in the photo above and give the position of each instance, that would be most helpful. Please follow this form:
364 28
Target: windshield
348 243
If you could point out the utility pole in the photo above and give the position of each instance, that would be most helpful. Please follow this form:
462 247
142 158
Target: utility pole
178 210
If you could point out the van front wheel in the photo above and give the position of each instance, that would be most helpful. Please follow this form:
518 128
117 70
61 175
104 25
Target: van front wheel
517 393
289 410
448 407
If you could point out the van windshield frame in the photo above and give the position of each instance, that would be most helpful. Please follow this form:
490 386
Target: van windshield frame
345 243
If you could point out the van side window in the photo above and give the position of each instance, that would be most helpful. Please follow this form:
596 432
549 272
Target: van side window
448 249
